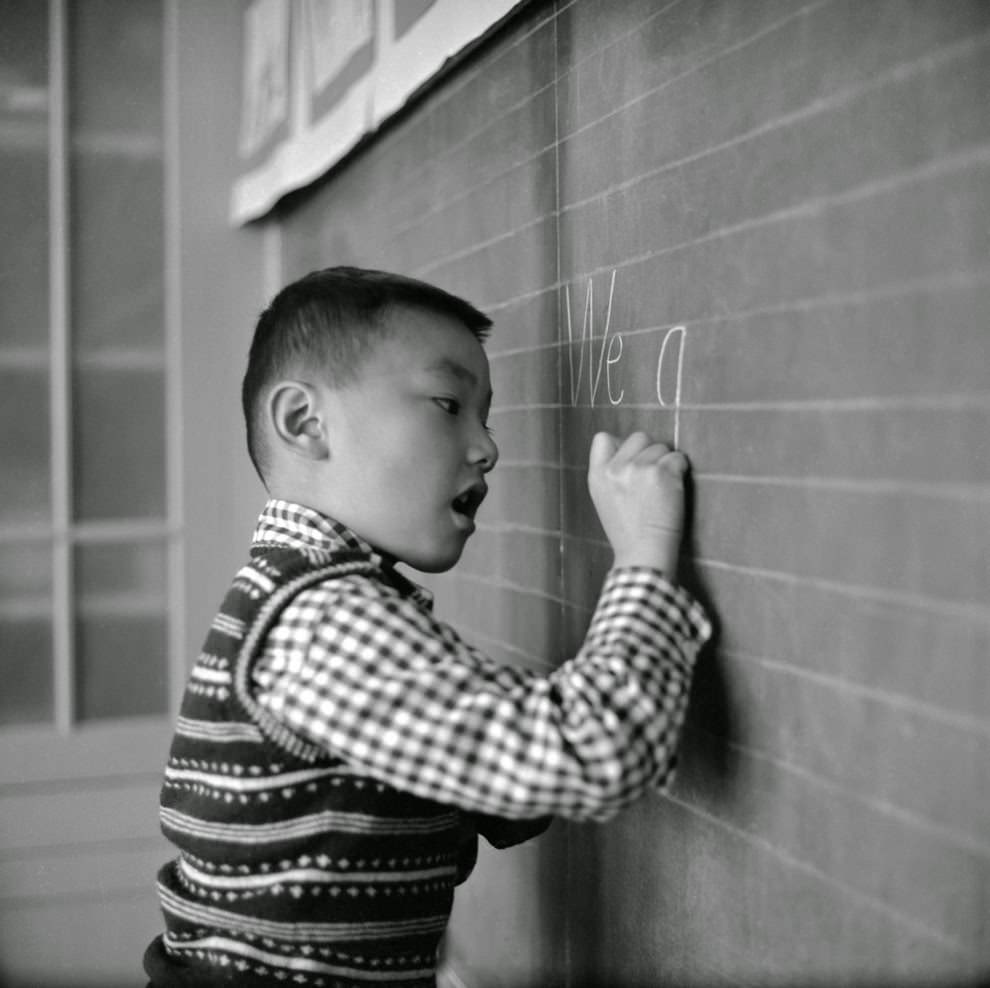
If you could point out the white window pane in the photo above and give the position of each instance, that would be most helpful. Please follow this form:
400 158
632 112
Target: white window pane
24 446
117 251
24 172
119 444
105 573
116 177
121 667
115 66
26 666
23 259
121 631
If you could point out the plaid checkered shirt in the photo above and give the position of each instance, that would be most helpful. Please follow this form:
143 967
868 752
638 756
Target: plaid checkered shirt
361 667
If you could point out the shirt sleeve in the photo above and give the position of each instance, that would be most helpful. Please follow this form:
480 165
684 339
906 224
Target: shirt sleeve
400 697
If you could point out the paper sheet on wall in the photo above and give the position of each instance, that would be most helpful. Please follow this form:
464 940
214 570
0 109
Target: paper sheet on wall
321 75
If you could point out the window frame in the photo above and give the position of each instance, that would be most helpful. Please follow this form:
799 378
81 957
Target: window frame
65 745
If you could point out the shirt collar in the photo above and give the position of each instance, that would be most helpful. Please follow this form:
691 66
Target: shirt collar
292 525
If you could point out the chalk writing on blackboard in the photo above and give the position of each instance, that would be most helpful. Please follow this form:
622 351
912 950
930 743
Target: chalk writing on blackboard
606 357
678 332
609 355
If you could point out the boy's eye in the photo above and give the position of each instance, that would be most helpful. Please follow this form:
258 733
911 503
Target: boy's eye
450 405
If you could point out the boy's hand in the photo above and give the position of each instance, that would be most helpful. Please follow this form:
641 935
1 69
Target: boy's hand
638 491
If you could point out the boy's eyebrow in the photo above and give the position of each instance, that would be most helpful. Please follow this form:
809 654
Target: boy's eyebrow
446 365
449 366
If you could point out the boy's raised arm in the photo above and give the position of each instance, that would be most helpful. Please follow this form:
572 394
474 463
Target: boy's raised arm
401 697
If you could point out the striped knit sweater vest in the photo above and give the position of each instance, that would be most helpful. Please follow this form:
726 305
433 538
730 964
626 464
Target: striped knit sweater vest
292 869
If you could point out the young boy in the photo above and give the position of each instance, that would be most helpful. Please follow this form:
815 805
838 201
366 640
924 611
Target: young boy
339 749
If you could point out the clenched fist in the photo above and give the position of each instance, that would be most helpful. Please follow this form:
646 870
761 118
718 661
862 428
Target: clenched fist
637 487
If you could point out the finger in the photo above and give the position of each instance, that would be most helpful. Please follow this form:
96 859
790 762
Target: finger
603 447
653 453
675 463
633 445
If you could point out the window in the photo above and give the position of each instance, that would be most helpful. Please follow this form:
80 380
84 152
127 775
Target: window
87 522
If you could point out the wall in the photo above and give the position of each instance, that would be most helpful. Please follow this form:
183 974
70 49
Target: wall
804 190
222 289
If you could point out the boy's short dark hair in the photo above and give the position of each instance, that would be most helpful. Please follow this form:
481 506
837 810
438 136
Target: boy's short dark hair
333 318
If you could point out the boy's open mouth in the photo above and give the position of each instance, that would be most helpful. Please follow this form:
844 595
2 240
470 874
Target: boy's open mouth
467 502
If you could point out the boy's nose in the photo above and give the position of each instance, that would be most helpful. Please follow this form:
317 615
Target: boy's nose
484 452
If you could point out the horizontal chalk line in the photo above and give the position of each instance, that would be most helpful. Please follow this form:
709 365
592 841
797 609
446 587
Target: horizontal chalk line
618 39
872 486
699 66
916 286
817 206
967 723
977 400
883 697
946 281
881 487
943 939
955 719
439 262
477 246
450 92
412 177
964 841
957 610
961 610
899 73
895 75
413 225
802 210
502 584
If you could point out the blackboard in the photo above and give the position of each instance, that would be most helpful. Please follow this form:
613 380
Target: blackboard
760 231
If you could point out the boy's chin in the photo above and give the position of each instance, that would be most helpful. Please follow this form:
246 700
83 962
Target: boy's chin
437 558
426 554
432 565
437 561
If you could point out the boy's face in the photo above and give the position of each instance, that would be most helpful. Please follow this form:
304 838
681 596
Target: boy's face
409 447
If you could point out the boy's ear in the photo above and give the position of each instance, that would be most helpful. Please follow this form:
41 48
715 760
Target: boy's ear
298 419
